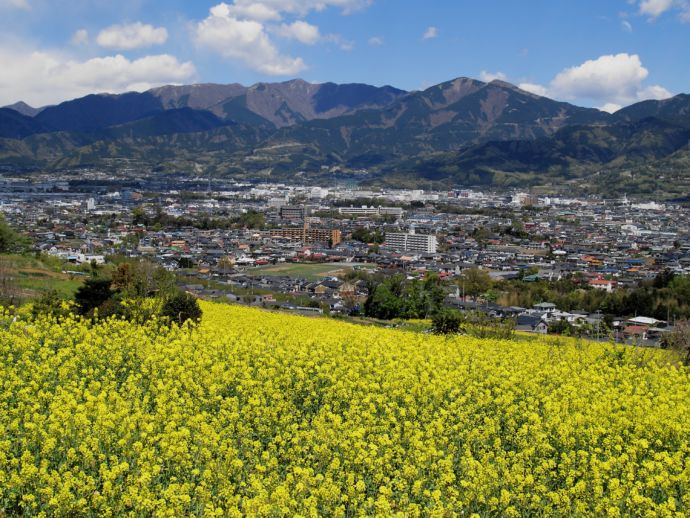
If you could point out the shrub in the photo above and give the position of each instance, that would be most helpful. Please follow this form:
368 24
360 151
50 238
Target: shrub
481 325
181 307
92 294
112 307
446 321
679 340
50 303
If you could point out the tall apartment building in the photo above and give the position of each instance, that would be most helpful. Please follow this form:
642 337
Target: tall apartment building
371 211
391 211
287 212
411 242
309 235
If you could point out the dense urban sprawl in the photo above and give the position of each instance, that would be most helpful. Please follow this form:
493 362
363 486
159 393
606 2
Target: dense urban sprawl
296 248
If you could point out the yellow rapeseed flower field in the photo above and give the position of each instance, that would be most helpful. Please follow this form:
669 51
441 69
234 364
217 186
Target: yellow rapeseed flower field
256 413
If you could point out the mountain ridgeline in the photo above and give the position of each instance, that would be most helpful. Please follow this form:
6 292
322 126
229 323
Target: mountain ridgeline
462 132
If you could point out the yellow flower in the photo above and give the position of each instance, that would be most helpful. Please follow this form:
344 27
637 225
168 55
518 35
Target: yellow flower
260 413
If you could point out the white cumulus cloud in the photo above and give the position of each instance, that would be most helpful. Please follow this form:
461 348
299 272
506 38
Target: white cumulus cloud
341 42
298 7
247 30
608 81
487 77
534 88
301 31
47 77
252 11
244 40
607 77
376 41
15 4
653 92
80 37
655 8
430 33
131 36
610 107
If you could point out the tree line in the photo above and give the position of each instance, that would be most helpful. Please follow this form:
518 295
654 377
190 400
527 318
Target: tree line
398 297
667 296
160 219
137 290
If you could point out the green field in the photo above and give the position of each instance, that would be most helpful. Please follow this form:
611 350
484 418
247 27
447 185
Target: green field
307 271
36 283
27 277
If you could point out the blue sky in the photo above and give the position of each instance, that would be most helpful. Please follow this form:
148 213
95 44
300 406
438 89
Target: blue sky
603 54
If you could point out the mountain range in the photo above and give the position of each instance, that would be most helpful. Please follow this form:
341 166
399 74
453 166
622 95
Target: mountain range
462 132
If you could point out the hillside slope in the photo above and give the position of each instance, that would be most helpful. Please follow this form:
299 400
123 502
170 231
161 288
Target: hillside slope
572 152
259 413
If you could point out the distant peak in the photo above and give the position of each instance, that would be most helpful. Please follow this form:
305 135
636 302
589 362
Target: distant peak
456 83
297 81
503 84
289 82
463 80
20 104
24 109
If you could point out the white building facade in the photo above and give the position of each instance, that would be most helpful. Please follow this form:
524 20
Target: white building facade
410 242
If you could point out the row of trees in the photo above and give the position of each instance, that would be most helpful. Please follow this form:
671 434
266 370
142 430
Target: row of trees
11 242
159 219
398 297
666 296
136 290
364 235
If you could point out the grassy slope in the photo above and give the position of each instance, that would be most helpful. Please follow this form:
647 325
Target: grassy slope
30 276
308 271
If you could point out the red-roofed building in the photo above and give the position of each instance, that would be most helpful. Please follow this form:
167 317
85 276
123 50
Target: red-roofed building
603 284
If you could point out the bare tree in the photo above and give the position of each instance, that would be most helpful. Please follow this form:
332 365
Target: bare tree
679 340
9 292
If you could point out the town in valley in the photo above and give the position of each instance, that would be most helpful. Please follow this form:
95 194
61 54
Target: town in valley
315 250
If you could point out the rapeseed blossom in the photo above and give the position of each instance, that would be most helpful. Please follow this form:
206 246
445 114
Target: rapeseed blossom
263 414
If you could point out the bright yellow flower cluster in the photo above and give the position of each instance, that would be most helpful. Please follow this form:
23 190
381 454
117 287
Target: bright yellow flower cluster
261 414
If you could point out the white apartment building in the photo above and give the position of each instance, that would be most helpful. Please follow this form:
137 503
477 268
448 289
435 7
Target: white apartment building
411 242
371 211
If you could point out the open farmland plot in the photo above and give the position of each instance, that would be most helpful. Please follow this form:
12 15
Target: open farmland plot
262 414
29 277
309 271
